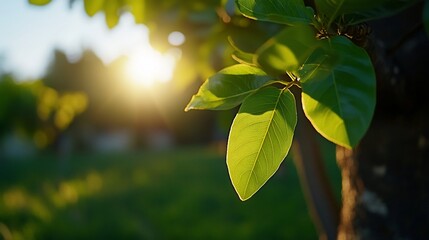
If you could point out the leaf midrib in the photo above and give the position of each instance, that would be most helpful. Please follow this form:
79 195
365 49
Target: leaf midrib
234 96
269 82
262 142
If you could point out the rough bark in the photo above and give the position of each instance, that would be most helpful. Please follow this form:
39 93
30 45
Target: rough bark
386 178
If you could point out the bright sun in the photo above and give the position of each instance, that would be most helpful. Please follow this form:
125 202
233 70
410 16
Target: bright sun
147 67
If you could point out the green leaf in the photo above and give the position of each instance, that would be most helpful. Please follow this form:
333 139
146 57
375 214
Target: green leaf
93 6
385 9
338 91
39 2
358 11
229 87
137 9
260 138
111 11
330 8
243 57
278 11
239 55
288 50
426 16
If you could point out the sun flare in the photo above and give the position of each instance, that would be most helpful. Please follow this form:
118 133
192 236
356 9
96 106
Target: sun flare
147 67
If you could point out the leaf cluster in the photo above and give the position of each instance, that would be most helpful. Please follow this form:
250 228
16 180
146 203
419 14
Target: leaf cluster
313 53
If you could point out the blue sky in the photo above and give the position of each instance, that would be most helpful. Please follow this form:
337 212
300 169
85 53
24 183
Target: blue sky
30 33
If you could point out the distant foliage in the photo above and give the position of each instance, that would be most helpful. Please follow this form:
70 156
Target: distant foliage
36 111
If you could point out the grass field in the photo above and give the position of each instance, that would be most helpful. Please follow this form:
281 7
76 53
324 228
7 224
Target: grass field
176 194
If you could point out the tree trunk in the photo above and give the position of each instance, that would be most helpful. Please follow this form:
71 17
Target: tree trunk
386 178
307 156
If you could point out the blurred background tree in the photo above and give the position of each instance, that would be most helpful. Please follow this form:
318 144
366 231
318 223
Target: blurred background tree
36 112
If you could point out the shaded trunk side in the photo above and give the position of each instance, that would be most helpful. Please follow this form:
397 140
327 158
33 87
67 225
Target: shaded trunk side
386 178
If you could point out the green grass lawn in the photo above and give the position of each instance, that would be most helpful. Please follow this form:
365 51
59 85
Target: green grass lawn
176 194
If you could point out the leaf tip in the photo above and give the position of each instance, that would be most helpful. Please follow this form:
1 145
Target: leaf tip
348 146
188 108
244 198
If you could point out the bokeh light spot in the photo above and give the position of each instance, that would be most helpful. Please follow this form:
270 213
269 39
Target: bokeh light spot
176 38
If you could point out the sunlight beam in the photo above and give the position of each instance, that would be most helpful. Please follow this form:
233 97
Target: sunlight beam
147 67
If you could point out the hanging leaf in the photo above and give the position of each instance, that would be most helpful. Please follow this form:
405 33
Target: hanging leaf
260 138
278 11
137 9
229 87
93 6
243 57
287 50
338 91
239 55
39 2
111 11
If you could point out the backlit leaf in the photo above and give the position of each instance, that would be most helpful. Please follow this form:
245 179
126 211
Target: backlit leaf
239 55
287 50
39 2
278 11
93 6
137 9
243 57
338 91
111 11
229 87
260 138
